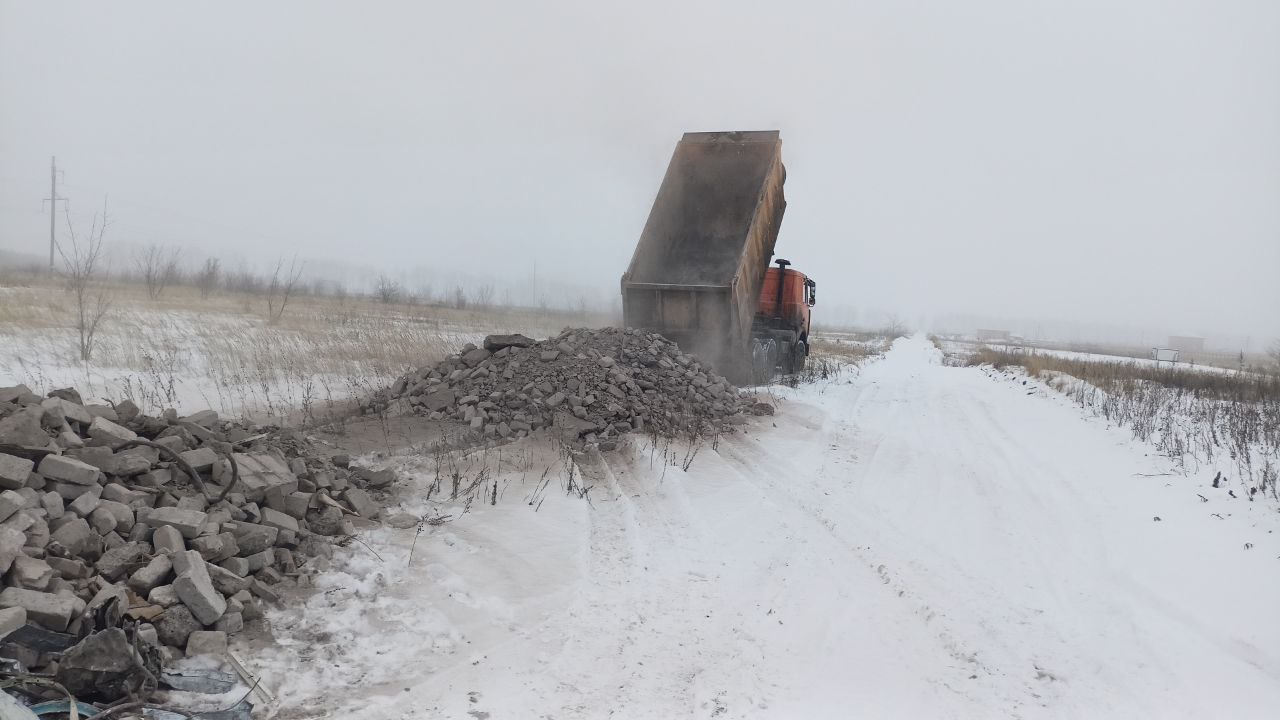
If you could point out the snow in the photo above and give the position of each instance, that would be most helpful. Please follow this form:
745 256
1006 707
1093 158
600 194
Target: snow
918 541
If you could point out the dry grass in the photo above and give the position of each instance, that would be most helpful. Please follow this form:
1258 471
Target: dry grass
1230 421
182 350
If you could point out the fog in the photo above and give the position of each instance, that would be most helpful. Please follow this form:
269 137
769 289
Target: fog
1081 164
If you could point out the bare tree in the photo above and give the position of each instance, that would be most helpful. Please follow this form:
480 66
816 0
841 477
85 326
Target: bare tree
159 267
208 276
458 297
1273 350
388 291
893 326
82 266
280 289
484 295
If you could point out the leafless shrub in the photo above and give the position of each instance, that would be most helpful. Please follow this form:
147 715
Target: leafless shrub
82 267
387 290
483 296
281 287
458 297
159 268
207 277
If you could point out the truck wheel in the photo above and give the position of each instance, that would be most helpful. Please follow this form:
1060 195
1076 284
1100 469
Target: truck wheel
799 354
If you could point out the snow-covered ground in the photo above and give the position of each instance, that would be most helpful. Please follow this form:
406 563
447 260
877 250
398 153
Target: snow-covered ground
916 541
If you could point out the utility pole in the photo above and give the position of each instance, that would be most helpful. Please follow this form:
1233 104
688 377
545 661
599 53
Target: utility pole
53 209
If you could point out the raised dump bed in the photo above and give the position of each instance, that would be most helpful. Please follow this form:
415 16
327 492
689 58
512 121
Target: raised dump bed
697 270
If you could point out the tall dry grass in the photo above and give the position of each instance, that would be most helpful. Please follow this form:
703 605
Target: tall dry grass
1228 420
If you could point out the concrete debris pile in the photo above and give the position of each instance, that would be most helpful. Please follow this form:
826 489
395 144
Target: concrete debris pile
128 541
587 385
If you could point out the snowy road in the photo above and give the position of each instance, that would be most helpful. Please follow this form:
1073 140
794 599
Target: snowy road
920 541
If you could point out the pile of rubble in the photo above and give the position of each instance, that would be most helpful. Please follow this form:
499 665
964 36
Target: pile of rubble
129 541
587 385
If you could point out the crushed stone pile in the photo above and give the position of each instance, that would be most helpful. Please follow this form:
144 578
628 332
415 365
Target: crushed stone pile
129 541
587 385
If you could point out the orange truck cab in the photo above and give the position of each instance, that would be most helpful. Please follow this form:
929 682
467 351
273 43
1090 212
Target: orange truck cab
782 317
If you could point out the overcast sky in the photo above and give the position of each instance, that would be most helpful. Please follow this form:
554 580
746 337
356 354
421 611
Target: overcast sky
1090 161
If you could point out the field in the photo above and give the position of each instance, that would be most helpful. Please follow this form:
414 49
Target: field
912 528
191 352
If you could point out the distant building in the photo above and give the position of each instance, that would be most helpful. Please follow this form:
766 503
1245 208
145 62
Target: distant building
1186 344
1000 336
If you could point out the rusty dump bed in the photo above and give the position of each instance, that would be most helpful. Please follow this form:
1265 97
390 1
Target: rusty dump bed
697 269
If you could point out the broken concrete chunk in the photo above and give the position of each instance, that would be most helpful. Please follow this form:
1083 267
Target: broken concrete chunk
23 429
110 434
187 522
60 467
46 609
74 535
225 581
163 595
87 502
11 619
122 560
360 502
195 589
10 503
151 575
167 539
103 666
216 548
260 472
200 459
207 642
378 479
67 409
252 538
175 626
279 520
30 573
14 471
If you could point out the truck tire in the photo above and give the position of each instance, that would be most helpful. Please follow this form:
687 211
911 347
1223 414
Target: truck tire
799 356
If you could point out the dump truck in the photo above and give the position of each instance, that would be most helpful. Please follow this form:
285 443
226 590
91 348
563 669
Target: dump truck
701 274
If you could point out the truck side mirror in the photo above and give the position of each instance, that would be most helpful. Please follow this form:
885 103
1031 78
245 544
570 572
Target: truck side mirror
813 293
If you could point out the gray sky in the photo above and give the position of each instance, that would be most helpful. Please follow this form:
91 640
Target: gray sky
1087 161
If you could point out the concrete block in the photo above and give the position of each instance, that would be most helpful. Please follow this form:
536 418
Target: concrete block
277 519
167 539
216 548
10 503
195 589
360 502
238 566
30 573
45 609
207 642
163 595
200 459
14 471
151 576
260 472
13 618
123 560
187 522
251 537
87 502
70 470
74 535
53 505
230 623
67 409
110 434
225 581
102 521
